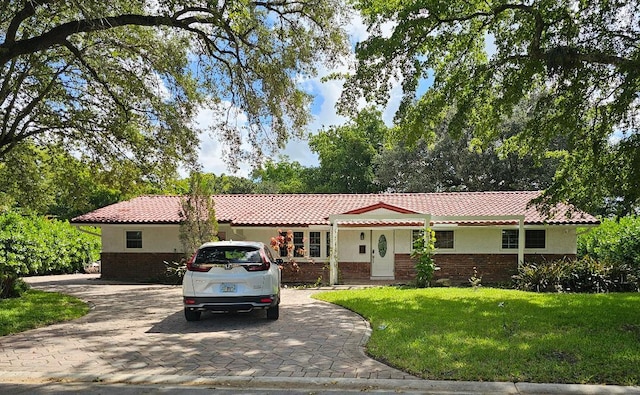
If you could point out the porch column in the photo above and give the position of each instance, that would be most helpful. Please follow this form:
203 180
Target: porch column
333 260
521 241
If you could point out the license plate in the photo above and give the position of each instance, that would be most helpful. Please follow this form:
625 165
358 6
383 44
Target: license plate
227 287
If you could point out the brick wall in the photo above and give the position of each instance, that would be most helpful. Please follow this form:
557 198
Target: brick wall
354 272
142 267
493 268
150 267
404 268
308 273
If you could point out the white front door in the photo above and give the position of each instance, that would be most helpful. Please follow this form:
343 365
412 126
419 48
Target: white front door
382 254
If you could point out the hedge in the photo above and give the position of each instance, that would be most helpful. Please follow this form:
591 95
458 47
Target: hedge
34 245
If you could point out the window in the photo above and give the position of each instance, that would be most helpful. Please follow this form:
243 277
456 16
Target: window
534 238
298 242
228 254
415 235
134 239
509 238
444 239
314 244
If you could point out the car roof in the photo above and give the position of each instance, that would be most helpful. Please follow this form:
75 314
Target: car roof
255 244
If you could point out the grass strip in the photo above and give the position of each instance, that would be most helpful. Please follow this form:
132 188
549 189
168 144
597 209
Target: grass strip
37 309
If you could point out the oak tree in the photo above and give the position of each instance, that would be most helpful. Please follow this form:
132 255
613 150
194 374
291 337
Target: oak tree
578 62
116 80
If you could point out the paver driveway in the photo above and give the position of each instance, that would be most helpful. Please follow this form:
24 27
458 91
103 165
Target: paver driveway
141 329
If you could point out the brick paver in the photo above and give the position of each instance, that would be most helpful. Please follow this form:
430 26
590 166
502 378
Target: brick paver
140 329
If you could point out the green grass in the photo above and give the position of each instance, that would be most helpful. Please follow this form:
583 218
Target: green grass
36 309
501 335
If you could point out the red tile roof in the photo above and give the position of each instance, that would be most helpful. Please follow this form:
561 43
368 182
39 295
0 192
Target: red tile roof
314 209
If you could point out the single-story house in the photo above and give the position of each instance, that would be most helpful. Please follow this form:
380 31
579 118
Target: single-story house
350 238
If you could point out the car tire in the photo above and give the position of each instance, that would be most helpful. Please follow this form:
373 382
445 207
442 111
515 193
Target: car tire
192 315
273 313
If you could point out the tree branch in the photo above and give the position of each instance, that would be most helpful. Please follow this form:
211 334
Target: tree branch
58 35
76 52
28 11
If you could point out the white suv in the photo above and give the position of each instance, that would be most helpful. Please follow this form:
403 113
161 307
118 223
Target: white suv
231 276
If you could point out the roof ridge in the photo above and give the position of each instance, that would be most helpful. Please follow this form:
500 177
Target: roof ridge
379 193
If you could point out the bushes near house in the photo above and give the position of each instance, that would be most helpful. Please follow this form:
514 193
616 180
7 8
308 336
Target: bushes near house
32 245
582 275
608 261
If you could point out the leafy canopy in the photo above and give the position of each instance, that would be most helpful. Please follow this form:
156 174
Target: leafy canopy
347 152
449 165
123 79
578 61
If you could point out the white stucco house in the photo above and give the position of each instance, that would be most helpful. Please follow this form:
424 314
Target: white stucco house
350 238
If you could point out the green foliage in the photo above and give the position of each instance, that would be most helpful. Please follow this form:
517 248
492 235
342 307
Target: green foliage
282 176
616 241
51 181
36 309
448 164
176 270
480 60
347 152
501 335
584 275
423 248
31 245
219 185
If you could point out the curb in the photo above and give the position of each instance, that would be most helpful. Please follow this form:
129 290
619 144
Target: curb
315 384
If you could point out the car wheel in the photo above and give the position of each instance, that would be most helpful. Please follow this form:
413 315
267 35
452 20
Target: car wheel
273 313
192 315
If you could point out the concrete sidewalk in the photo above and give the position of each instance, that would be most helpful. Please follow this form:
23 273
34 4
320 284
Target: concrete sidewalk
135 340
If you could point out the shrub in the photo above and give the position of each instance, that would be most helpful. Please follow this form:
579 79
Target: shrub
12 287
31 245
423 248
613 241
582 275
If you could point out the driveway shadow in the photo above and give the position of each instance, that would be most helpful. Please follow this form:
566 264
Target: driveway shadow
211 322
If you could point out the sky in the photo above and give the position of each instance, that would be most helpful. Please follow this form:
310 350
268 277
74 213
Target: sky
323 109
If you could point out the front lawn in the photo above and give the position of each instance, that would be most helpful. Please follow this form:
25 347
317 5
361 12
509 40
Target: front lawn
501 335
36 309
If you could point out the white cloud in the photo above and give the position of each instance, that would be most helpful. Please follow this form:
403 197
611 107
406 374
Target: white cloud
211 149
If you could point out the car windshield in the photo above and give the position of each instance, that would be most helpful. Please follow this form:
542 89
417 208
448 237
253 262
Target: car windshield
228 254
